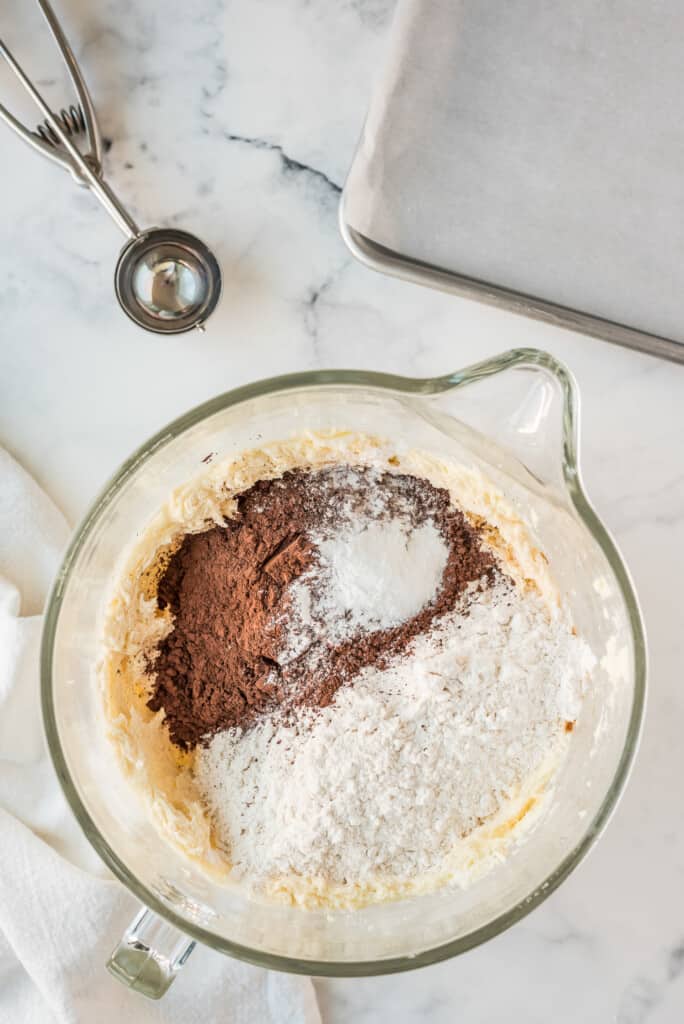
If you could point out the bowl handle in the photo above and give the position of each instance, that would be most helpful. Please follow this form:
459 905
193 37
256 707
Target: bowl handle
149 955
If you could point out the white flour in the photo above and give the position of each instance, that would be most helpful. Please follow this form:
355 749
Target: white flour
406 761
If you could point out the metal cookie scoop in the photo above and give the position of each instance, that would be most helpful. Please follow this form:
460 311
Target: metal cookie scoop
166 280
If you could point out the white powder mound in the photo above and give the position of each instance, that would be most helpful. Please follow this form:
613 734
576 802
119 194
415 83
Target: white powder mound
376 574
382 573
407 760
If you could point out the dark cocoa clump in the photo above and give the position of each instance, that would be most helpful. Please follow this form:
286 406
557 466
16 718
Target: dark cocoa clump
228 590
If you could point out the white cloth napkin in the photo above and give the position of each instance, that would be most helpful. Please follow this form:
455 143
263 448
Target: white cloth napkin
61 913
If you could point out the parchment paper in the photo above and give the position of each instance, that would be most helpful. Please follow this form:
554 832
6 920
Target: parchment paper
535 144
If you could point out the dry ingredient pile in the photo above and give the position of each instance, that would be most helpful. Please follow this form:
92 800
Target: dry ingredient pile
318 576
362 683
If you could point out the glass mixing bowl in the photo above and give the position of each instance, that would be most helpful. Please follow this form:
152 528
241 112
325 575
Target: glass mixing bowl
516 418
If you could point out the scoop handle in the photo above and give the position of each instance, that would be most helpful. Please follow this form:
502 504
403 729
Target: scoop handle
149 955
79 164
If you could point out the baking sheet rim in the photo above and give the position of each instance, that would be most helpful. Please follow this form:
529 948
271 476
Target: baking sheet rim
386 261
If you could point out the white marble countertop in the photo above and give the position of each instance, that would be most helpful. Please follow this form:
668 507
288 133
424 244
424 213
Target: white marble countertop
238 121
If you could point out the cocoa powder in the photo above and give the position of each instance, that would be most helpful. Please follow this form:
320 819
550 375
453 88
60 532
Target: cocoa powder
228 591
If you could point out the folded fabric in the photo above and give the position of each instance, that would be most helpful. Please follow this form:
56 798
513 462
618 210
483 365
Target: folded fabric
61 913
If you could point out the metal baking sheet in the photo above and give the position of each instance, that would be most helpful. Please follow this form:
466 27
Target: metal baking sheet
531 154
